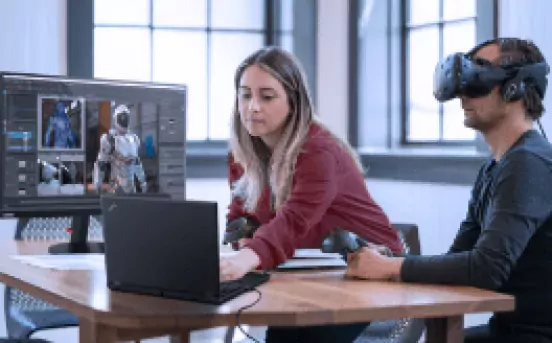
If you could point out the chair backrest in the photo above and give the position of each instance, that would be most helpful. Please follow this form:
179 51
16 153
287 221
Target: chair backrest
409 232
54 228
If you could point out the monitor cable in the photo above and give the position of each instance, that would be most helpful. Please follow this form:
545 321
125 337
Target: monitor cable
243 308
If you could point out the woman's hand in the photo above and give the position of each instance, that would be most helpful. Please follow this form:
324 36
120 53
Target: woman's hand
242 242
370 263
237 265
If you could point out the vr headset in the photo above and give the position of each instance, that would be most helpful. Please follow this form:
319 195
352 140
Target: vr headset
460 75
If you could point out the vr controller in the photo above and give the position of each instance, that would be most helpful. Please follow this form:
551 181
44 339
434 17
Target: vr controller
341 241
239 228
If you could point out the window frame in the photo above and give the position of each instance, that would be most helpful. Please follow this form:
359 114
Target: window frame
204 158
407 28
270 31
440 163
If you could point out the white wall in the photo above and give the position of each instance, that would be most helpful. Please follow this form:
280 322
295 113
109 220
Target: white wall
33 36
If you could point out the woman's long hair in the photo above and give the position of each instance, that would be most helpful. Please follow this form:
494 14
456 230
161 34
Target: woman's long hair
276 168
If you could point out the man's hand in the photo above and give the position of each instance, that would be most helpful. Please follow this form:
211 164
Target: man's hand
369 263
237 265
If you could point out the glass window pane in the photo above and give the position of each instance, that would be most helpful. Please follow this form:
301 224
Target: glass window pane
424 11
458 37
286 15
228 51
181 57
127 12
122 53
423 57
423 125
183 13
455 9
453 122
237 14
286 42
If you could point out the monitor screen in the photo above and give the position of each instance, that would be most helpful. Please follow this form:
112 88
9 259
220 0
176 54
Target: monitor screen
67 141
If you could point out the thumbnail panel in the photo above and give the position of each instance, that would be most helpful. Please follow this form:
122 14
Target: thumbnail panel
61 123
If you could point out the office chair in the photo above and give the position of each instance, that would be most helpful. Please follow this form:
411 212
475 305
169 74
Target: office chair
24 313
404 330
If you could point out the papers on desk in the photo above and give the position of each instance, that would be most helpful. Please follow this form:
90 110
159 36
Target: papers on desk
313 259
315 253
64 262
303 259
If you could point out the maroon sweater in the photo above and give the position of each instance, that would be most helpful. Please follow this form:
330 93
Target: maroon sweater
328 192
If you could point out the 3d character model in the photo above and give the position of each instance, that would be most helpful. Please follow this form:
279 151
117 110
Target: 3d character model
59 124
119 149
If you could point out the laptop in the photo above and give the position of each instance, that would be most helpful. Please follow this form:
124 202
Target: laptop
167 248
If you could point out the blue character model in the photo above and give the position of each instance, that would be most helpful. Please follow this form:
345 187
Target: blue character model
59 124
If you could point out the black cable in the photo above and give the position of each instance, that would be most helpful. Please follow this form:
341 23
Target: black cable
541 129
245 308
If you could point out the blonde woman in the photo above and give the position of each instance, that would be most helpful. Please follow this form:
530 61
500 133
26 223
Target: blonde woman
294 177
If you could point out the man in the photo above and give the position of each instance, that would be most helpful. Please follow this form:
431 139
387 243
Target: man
505 241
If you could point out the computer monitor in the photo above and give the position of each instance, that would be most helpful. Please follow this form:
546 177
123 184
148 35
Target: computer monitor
52 128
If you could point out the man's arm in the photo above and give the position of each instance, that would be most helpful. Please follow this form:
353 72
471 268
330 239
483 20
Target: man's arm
521 202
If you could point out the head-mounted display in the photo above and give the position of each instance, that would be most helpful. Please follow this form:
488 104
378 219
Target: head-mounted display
461 75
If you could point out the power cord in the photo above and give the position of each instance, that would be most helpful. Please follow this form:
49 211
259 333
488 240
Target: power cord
245 308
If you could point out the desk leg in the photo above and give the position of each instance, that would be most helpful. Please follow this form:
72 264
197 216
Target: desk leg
96 333
448 329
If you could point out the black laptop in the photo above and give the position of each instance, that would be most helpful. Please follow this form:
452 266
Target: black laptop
167 248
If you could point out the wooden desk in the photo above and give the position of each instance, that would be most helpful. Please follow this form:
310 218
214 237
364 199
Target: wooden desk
299 298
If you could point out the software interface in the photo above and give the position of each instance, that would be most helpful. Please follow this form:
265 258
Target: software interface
53 127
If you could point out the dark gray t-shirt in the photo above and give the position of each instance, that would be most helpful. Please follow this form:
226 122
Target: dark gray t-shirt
505 241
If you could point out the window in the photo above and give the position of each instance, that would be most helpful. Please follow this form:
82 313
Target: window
433 30
194 42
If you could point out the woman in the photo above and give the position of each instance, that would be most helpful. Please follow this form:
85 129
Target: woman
294 177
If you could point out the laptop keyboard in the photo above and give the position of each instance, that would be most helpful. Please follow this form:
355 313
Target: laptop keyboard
248 282
230 286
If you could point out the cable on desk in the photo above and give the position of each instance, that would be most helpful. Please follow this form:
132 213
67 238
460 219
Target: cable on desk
243 308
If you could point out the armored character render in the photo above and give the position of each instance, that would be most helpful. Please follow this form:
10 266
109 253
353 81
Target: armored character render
119 148
59 124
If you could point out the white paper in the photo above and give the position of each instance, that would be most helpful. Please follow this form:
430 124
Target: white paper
314 253
64 262
313 263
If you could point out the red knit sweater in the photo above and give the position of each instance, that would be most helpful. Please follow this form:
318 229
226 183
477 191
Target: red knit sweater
328 192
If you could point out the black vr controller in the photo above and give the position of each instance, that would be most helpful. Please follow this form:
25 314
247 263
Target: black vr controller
239 228
341 241
344 242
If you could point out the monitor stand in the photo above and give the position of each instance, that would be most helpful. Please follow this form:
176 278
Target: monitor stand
78 244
